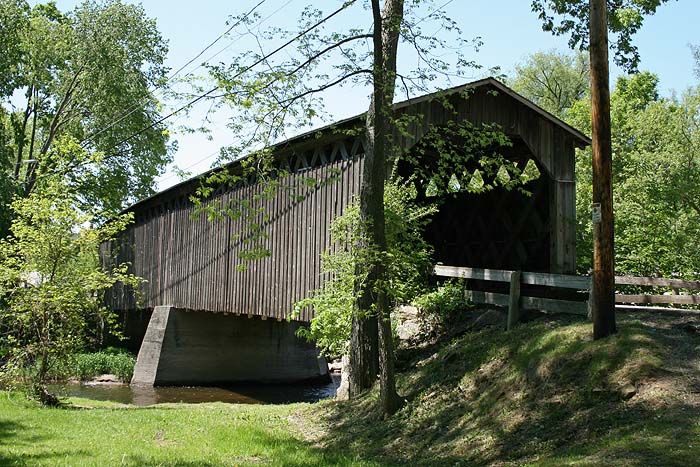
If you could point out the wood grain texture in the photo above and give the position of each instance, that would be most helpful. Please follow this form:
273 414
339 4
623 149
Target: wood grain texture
193 263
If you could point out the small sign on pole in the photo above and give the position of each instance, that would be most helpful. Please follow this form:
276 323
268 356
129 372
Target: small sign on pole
596 213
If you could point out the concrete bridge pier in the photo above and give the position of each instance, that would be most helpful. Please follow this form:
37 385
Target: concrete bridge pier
194 348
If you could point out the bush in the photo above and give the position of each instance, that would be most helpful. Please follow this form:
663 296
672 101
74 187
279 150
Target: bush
85 366
88 365
408 263
443 304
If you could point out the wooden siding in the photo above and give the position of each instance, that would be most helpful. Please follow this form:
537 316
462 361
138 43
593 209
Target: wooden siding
191 263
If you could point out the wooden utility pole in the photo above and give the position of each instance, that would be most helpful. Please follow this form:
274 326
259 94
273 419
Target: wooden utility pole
603 300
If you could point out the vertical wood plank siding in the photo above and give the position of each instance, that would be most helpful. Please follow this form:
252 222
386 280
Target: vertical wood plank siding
194 263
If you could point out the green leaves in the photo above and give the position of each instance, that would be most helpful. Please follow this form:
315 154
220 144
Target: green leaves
552 80
407 259
656 165
51 281
625 18
88 74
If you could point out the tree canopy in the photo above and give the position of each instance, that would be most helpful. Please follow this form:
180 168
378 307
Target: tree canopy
552 80
89 76
625 19
656 158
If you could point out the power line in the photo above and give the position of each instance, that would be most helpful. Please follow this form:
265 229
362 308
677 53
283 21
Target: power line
435 10
218 151
221 36
199 161
246 69
229 45
173 75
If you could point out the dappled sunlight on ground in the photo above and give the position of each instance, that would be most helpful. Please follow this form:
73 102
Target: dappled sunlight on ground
542 393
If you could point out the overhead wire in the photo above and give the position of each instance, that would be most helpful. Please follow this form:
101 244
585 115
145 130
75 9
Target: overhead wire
240 73
209 156
174 74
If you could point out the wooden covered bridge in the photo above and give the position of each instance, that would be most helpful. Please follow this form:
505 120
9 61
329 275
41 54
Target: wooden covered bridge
190 264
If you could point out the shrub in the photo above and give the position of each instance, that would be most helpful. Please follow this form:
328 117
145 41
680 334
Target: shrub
443 304
407 261
52 284
112 361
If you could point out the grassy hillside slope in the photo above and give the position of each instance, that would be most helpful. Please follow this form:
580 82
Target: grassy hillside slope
542 394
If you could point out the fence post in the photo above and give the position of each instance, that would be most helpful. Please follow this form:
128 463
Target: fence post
514 303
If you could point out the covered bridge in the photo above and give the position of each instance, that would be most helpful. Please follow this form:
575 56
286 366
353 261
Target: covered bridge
190 263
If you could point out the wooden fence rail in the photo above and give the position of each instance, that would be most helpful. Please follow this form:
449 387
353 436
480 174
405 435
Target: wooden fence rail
515 301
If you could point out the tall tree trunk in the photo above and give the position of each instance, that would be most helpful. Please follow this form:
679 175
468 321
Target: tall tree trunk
603 303
372 303
21 134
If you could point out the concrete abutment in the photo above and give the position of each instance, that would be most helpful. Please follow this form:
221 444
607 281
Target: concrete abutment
195 348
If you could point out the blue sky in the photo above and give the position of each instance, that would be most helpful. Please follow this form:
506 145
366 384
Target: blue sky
508 28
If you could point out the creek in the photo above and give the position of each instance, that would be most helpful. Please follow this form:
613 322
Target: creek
243 393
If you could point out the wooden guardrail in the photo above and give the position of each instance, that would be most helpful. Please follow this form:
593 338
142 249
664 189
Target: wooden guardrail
515 301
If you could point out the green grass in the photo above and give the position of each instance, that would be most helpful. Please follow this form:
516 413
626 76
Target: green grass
542 394
108 434
111 361
86 365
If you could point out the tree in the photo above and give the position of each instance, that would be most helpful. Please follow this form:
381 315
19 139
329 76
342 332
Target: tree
285 95
88 74
553 80
51 284
624 19
372 297
589 28
408 261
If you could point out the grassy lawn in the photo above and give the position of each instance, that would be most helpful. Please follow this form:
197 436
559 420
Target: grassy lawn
173 435
542 394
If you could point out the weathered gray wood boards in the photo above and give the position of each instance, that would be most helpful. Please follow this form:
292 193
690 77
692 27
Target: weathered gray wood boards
515 301
192 263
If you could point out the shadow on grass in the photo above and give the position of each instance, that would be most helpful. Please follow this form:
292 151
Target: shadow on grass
269 450
225 443
543 393
16 435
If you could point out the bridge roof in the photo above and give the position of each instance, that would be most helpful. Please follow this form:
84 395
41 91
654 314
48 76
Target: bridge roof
580 139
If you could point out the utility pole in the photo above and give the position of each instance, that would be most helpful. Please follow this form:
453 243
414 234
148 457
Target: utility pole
603 300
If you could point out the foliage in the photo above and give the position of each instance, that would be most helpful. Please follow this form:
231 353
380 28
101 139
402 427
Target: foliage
87 74
553 80
625 18
51 283
7 185
85 366
407 260
655 165
444 303
286 96
656 155
443 159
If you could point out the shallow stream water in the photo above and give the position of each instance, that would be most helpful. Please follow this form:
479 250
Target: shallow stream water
248 393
